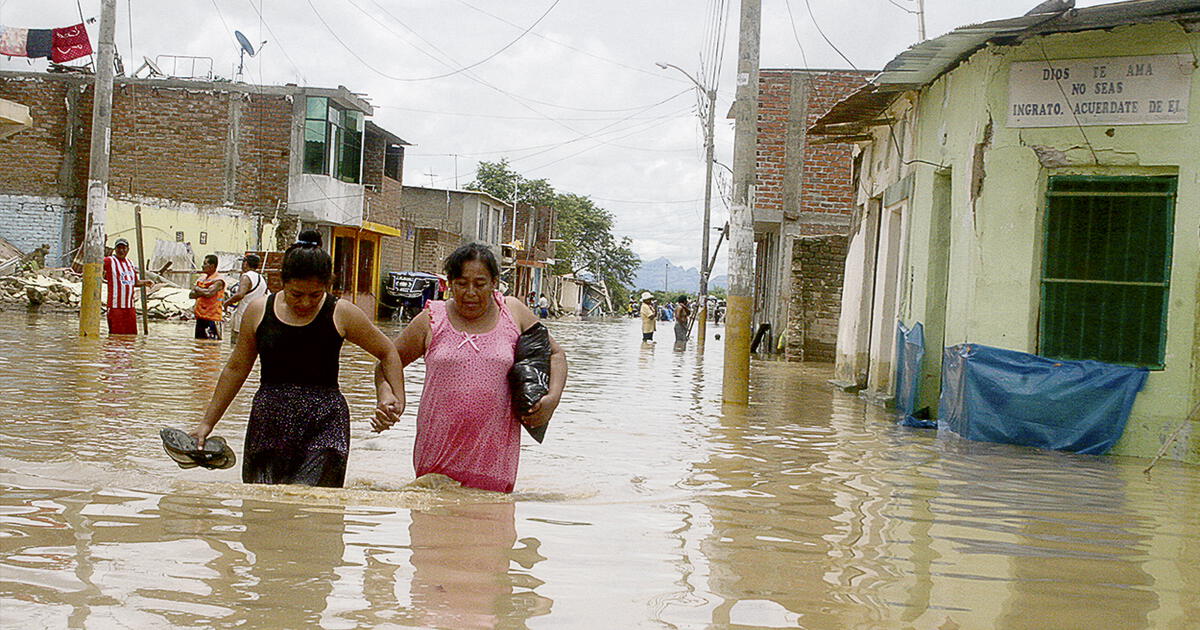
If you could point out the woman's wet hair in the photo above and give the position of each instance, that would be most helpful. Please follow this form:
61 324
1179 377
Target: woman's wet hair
467 253
305 259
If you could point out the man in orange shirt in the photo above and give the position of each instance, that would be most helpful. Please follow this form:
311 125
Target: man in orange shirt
208 293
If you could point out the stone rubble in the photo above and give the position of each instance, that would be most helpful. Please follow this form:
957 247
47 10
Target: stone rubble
60 289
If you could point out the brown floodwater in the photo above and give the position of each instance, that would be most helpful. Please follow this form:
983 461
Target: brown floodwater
649 506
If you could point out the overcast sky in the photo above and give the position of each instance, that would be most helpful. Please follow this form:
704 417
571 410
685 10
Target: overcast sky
576 100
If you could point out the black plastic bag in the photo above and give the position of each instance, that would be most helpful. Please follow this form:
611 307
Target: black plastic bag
529 378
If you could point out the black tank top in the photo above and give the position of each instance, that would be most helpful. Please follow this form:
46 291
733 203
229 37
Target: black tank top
299 355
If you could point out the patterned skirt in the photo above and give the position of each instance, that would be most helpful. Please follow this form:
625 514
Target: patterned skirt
297 434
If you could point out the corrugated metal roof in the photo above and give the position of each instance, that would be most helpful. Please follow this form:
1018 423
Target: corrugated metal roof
924 62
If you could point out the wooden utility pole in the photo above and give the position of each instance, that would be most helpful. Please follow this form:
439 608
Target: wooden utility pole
740 302
141 253
97 188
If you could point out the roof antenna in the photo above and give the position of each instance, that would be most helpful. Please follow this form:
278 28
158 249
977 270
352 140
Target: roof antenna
247 49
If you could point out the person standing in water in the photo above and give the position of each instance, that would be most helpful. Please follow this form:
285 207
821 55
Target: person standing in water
466 426
251 286
208 293
649 315
122 278
683 318
299 429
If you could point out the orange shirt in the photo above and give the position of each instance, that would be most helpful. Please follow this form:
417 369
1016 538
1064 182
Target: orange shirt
210 307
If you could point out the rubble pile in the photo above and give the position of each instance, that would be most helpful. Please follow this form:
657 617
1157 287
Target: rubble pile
60 289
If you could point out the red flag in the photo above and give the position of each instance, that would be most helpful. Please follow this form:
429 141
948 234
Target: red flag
70 42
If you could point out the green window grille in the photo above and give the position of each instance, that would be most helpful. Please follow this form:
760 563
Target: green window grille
1106 269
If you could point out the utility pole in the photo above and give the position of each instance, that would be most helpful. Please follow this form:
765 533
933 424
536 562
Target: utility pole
97 189
920 21
705 266
740 302
666 275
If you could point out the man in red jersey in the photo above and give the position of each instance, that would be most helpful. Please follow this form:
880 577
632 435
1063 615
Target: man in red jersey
121 278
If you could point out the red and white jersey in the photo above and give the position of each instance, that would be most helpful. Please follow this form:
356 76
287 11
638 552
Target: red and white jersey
120 276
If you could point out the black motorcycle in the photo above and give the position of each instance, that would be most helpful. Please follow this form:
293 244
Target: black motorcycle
406 292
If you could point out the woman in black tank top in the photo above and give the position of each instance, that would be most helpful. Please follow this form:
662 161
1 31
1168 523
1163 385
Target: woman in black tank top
299 429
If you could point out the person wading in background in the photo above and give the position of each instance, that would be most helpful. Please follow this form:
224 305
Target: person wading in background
299 429
121 278
466 427
208 293
683 318
649 315
251 287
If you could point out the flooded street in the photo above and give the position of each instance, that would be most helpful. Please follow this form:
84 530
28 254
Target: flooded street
648 506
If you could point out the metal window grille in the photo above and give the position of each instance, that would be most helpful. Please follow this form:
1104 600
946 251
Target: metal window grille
1106 269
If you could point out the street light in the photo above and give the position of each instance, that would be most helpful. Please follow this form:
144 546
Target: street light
709 122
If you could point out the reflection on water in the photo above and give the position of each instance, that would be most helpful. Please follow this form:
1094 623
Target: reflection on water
649 505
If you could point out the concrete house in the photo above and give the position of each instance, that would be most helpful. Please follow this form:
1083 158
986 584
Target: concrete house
446 218
1033 184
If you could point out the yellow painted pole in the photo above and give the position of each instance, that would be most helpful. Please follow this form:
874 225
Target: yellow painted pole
735 386
97 190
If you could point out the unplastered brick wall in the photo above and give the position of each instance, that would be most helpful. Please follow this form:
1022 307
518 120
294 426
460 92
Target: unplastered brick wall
28 222
816 297
432 248
827 172
770 153
824 177
201 144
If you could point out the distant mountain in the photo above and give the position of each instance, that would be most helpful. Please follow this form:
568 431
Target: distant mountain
654 273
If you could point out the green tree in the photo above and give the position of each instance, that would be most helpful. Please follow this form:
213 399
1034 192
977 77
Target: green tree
587 243
499 180
583 230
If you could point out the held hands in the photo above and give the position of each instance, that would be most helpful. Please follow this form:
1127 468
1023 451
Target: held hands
541 412
387 411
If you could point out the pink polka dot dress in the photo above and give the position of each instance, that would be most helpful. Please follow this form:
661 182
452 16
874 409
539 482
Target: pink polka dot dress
466 428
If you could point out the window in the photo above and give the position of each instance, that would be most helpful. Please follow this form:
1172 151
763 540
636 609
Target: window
393 161
1105 270
332 140
495 225
481 231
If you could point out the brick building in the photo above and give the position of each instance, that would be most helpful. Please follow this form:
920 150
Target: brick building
802 193
529 251
446 218
215 167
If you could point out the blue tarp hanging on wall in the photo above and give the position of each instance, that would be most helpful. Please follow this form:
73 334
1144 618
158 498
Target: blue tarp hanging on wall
995 395
910 351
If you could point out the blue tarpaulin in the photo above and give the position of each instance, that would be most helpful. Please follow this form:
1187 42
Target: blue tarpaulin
910 351
995 395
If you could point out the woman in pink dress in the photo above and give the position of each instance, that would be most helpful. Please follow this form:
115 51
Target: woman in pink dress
466 427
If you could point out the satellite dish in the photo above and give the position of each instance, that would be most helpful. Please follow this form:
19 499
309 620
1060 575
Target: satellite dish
247 47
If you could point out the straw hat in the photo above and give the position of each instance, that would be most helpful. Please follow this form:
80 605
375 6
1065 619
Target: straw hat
646 295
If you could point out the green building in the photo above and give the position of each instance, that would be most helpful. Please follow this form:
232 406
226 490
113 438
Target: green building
1034 184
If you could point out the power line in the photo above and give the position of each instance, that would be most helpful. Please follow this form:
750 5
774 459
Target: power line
792 19
566 45
278 42
501 117
454 71
825 37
